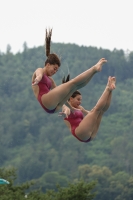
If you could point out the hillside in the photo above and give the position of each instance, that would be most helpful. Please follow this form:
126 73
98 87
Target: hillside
39 145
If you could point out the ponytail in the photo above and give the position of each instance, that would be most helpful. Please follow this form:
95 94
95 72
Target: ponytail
52 58
48 41
67 79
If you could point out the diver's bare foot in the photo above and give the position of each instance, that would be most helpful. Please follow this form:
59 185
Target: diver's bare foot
100 63
111 83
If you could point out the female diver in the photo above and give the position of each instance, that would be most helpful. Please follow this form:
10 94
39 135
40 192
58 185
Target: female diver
50 96
85 128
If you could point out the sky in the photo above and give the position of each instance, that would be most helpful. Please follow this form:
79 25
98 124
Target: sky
99 23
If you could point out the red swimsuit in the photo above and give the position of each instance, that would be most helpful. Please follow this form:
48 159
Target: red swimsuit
44 87
74 119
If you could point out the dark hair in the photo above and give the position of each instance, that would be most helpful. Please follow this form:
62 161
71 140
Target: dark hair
67 79
52 58
75 94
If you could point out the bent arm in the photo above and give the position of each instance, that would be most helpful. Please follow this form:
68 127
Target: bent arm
85 112
37 76
69 106
66 110
39 72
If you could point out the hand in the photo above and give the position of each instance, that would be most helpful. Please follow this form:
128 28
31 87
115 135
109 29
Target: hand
64 113
37 80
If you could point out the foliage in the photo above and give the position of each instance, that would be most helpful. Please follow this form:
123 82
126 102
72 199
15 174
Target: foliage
109 186
40 146
79 190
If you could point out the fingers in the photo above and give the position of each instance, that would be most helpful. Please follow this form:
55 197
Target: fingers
62 114
35 82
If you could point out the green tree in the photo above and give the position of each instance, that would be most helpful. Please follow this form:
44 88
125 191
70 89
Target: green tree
78 191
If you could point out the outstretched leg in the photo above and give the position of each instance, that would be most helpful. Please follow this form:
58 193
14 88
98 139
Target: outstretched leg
59 95
99 118
90 124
